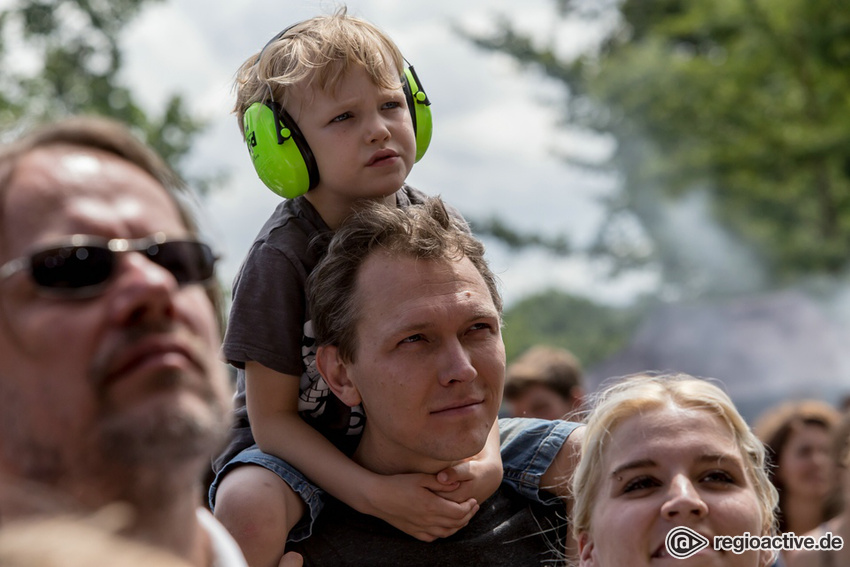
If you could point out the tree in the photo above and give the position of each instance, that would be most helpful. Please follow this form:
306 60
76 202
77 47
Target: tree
743 100
76 43
589 330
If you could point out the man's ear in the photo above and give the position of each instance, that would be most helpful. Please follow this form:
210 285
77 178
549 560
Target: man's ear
335 372
586 557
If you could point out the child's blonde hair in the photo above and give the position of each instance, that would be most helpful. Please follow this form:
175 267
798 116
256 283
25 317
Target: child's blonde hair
317 53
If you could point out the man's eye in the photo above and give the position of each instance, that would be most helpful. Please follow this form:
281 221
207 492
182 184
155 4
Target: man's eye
411 339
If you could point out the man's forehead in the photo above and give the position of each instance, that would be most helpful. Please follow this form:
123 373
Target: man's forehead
65 188
400 282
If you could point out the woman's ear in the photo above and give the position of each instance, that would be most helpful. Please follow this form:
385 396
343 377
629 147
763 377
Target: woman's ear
586 557
768 557
335 372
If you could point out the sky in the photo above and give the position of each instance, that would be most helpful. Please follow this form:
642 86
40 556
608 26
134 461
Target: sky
496 135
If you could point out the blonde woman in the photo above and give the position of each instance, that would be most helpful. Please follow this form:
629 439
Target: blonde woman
664 451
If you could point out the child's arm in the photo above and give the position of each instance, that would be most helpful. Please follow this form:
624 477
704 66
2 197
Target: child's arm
408 501
479 476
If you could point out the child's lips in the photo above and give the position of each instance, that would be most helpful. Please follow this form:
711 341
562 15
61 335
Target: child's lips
381 156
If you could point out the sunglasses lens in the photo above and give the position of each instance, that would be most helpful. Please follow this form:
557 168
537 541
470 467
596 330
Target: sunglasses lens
189 262
72 267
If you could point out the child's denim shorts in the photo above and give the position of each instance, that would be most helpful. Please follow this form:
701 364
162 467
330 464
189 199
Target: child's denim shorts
529 447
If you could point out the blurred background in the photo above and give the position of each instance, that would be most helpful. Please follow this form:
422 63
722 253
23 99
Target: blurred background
661 184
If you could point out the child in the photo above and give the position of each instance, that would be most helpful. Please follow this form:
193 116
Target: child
334 82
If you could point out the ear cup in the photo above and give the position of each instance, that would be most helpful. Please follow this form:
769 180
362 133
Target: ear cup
281 156
420 110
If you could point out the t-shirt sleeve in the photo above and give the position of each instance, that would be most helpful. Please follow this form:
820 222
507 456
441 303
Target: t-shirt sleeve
268 311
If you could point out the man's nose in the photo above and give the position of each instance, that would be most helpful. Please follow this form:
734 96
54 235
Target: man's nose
142 290
456 364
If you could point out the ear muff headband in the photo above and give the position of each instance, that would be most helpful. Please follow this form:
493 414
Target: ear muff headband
420 110
280 153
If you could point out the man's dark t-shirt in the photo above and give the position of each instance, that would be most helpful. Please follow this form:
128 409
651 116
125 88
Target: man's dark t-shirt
508 530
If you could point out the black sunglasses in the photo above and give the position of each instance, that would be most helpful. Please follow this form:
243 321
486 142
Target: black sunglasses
85 263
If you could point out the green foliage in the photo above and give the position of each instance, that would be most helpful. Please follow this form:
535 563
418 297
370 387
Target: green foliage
748 98
591 331
76 46
515 240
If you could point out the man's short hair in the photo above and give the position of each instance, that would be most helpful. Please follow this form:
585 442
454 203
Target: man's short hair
424 232
317 52
555 368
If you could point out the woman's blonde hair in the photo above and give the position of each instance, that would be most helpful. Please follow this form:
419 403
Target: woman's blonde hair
640 393
317 53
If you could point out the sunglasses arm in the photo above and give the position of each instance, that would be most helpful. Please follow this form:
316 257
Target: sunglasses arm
12 267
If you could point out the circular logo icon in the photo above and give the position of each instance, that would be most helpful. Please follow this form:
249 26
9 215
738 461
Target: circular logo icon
683 542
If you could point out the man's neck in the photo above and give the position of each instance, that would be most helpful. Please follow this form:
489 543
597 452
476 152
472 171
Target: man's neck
161 505
387 462
165 507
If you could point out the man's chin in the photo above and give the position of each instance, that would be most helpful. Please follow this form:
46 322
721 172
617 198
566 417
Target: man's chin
169 430
458 449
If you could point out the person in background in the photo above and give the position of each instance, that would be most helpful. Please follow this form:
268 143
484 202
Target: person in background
664 451
111 389
544 382
798 435
839 524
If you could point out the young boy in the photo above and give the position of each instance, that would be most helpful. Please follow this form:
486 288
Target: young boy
334 84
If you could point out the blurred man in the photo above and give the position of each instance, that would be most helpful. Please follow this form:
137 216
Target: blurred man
110 385
544 382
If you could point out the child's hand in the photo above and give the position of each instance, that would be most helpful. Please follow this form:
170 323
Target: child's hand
409 502
477 477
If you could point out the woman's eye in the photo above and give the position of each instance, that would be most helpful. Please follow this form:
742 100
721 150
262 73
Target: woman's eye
719 476
640 483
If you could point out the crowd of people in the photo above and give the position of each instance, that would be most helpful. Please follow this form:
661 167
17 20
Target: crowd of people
365 332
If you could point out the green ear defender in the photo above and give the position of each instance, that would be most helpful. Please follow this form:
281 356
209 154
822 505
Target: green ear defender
280 153
420 110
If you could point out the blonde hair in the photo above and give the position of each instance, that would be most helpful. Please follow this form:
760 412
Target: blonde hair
638 393
317 52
